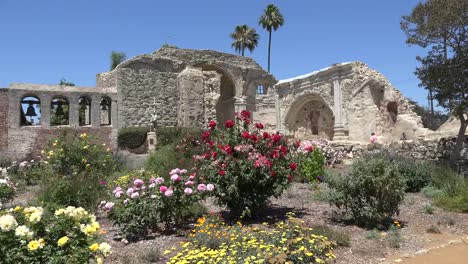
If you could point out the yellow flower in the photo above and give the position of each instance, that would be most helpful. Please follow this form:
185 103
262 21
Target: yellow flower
85 147
17 208
84 135
99 260
105 248
94 247
34 245
62 241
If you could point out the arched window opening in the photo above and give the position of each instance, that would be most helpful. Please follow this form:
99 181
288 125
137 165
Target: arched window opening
261 89
392 108
60 110
105 111
30 114
84 114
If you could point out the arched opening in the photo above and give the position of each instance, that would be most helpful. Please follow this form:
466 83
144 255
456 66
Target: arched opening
84 112
30 111
225 105
392 108
60 110
310 117
105 111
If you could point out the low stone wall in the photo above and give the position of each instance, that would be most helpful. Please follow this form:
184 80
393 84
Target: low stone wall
436 150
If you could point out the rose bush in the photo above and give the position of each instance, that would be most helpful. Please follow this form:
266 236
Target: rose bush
70 235
143 206
246 164
7 190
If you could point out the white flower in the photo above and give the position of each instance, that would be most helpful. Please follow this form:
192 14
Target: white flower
7 222
210 187
105 248
23 231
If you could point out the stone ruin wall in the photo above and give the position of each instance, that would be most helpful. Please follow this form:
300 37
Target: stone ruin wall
137 90
3 121
26 142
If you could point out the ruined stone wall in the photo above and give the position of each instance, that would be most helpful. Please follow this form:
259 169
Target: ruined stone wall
27 141
264 111
106 79
137 90
3 121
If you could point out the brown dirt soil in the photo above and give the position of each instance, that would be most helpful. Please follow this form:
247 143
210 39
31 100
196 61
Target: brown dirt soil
300 200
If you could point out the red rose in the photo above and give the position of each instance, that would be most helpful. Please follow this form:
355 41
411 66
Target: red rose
221 172
206 155
245 114
283 149
259 125
205 135
245 134
229 124
254 138
214 154
290 178
272 174
212 124
276 137
247 121
275 154
227 149
266 135
293 165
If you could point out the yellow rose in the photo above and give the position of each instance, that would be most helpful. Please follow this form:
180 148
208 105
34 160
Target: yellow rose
94 247
17 208
99 260
33 245
105 248
62 241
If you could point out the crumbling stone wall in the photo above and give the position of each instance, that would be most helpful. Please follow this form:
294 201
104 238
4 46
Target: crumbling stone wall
3 121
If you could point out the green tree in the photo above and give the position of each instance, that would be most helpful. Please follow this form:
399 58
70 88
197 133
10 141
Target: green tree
244 37
64 82
117 57
431 120
271 19
441 26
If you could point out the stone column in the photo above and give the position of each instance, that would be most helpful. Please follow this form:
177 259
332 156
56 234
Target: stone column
340 133
239 104
95 110
74 110
45 110
152 141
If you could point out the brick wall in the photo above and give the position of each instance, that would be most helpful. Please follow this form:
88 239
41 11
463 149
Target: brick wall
3 121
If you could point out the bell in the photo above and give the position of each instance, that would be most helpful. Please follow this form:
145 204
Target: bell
30 111
59 110
104 107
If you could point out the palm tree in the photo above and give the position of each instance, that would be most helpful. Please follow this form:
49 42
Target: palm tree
244 37
116 59
271 19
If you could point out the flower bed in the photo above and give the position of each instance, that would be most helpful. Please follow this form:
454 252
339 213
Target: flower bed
212 241
70 235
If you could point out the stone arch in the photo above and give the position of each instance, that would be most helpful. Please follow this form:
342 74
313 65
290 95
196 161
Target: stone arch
84 111
30 110
227 92
106 110
59 111
310 116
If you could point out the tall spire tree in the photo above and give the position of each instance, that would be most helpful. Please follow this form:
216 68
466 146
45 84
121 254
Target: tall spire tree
244 37
271 19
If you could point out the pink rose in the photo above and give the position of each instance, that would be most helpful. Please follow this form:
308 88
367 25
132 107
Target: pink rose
168 193
174 171
188 191
183 171
135 195
152 185
116 190
138 183
210 187
163 188
129 191
159 180
108 206
118 194
189 183
175 178
201 187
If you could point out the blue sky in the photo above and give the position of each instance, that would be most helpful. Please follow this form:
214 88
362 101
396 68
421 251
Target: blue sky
44 41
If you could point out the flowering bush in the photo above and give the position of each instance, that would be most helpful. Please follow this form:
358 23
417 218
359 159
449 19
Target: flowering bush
247 165
332 155
7 189
286 242
141 207
78 172
312 165
26 172
29 235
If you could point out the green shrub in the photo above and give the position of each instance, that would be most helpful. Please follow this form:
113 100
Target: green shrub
457 202
452 190
169 135
164 159
312 166
394 237
33 235
417 174
28 172
428 209
371 193
77 172
247 165
7 190
132 137
5 162
340 238
373 234
144 206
